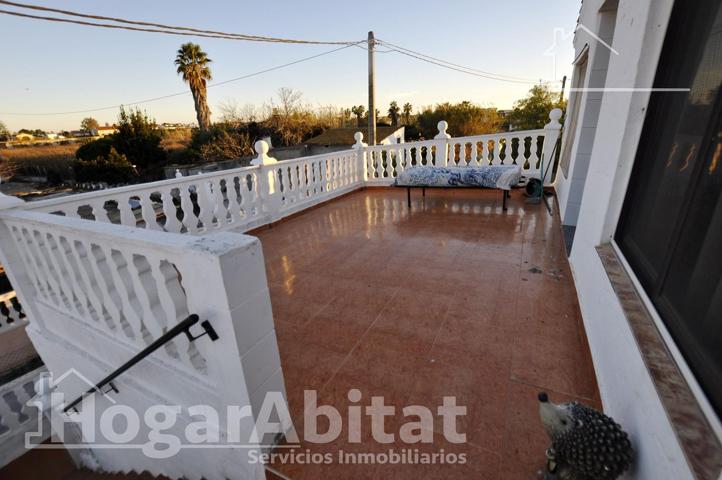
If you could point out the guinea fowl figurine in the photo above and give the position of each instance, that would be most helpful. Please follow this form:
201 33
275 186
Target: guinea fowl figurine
586 444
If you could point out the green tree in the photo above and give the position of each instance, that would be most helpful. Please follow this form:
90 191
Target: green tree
359 111
394 111
4 132
88 124
192 65
464 118
407 113
532 111
138 140
113 169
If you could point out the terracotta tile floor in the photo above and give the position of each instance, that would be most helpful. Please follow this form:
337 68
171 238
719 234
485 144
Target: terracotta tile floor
455 298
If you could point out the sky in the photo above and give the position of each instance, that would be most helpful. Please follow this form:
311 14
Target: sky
56 68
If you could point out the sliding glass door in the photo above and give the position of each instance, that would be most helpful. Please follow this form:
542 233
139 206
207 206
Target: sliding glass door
670 230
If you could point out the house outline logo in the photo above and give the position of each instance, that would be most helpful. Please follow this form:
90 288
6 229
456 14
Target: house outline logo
560 34
45 386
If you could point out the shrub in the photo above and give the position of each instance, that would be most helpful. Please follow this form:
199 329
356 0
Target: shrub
138 140
94 149
222 142
113 169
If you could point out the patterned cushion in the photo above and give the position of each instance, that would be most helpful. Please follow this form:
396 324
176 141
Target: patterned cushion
490 176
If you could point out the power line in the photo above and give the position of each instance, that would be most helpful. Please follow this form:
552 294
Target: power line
186 92
161 28
455 66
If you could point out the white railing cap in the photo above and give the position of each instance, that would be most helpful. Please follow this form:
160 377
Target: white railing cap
442 126
555 115
359 137
262 158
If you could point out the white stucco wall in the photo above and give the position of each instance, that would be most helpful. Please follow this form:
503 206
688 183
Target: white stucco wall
627 391
570 187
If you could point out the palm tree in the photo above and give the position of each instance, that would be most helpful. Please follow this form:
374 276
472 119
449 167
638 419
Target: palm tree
359 112
394 113
407 113
192 63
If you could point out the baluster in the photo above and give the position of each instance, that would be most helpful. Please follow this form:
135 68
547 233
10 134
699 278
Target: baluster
145 288
524 156
204 194
345 162
115 275
249 198
222 201
474 154
43 260
71 270
173 301
190 220
297 170
90 286
147 212
169 210
13 415
110 305
238 199
99 211
323 167
71 210
485 153
28 258
52 252
333 170
127 217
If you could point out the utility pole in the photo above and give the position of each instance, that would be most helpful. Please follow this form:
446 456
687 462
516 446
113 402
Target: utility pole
372 90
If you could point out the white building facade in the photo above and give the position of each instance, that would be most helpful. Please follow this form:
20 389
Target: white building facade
638 185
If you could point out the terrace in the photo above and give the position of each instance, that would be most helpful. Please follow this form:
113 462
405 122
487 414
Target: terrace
417 305
453 297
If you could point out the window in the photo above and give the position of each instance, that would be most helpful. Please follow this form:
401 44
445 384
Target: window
575 101
670 230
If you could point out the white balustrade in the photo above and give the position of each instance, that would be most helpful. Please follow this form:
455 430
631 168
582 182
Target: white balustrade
244 198
11 313
18 418
98 294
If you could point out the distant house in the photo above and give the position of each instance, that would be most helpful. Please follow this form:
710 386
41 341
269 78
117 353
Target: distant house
172 126
80 133
105 131
24 137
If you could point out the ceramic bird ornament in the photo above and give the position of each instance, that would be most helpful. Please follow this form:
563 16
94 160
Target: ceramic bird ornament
586 444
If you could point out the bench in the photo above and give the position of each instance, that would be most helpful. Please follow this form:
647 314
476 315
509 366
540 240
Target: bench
503 177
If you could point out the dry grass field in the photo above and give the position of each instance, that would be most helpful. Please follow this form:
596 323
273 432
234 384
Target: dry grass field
38 160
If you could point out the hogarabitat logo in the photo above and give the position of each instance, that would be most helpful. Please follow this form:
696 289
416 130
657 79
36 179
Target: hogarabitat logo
161 431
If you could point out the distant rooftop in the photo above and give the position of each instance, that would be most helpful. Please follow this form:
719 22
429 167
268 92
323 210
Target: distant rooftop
344 136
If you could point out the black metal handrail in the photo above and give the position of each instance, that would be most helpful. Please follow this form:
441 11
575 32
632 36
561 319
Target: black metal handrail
182 327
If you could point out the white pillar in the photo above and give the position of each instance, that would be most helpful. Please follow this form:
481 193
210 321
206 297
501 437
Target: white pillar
268 182
361 150
442 144
552 130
